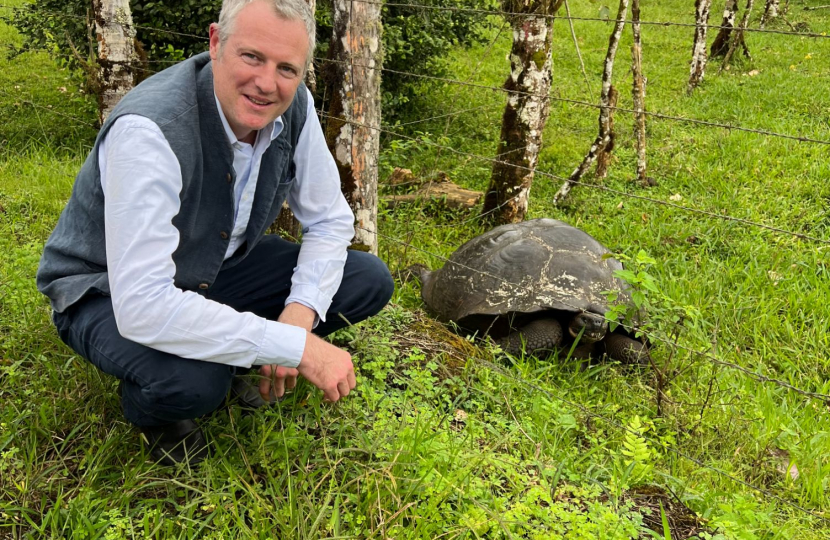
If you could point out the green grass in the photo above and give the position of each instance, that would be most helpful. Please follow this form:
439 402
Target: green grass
437 442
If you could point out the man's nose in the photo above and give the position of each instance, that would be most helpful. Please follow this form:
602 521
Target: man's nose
266 82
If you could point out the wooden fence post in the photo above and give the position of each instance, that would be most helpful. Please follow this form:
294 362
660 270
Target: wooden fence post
699 56
526 111
116 52
354 114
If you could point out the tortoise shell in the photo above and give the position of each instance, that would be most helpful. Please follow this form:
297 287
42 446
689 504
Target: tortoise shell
523 268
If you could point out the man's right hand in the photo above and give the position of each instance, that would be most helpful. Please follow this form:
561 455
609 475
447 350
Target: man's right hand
327 367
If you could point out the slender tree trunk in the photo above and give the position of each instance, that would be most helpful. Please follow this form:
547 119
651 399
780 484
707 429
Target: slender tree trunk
638 93
770 11
699 56
526 112
606 151
721 43
116 52
738 37
606 107
351 131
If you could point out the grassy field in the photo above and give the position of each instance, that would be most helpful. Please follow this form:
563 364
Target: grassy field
443 439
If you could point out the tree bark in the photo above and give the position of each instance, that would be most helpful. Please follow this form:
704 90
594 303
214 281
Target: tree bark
116 52
721 43
606 151
526 112
354 110
606 107
770 11
638 92
699 56
738 37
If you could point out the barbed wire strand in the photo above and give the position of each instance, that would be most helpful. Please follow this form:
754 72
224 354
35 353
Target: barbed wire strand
536 388
501 13
757 376
825 398
550 97
591 19
608 189
585 410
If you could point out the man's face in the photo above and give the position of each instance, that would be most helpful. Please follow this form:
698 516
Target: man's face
257 71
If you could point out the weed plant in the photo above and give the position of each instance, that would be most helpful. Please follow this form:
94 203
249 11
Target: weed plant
444 438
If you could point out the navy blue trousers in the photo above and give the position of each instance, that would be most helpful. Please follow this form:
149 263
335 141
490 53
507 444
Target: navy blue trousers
159 388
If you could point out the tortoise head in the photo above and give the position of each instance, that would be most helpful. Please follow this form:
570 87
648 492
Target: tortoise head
595 326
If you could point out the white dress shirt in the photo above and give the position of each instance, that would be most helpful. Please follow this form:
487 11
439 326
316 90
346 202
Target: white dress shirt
141 180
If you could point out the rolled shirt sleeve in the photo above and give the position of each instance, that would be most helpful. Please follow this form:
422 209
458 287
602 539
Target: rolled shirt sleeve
141 179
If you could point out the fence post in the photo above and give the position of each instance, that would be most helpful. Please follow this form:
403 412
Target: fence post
526 112
699 56
116 52
354 114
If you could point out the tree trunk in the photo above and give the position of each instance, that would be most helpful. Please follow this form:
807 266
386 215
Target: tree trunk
770 11
739 37
721 43
351 131
605 114
116 52
699 57
606 151
638 93
526 111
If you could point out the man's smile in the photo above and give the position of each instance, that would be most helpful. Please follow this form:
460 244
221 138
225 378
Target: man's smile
259 102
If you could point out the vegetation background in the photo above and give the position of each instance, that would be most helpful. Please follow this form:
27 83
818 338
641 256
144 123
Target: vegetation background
445 439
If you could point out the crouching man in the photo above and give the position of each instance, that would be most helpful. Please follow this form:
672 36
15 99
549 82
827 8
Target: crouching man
159 271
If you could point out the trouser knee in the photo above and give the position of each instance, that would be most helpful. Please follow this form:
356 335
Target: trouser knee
181 395
367 286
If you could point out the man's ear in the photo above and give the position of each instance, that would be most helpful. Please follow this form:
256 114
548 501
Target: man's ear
215 44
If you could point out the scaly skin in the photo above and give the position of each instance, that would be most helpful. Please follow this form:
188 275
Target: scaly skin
626 350
539 335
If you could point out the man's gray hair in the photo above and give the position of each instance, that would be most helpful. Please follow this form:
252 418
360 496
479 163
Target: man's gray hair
290 10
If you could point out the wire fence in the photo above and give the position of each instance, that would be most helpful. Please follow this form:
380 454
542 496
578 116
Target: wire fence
651 336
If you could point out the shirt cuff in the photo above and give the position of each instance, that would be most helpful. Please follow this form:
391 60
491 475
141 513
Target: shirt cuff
311 297
283 345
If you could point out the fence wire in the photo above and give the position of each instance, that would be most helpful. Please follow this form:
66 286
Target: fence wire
513 14
825 398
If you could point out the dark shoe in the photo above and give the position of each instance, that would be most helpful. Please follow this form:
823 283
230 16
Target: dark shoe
245 392
179 442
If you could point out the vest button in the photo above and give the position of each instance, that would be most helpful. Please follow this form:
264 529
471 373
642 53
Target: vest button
203 286
224 235
229 178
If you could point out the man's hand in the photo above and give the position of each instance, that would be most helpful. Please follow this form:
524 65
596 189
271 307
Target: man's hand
327 367
276 379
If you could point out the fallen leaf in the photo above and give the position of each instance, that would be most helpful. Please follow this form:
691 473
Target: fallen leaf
753 73
676 197
644 217
620 206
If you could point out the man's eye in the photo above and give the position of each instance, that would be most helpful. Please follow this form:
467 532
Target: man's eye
288 70
249 56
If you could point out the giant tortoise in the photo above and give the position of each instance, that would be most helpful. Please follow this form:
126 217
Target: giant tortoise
522 284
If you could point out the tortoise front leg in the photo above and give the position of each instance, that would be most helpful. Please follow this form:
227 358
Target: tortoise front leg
624 349
539 335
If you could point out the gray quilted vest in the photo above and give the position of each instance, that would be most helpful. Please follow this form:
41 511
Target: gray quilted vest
180 100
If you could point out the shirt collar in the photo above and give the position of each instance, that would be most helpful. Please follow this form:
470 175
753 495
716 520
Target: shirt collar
274 128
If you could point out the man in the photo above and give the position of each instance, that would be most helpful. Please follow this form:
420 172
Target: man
159 272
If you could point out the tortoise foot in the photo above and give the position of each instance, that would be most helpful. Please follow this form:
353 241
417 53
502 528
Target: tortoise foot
539 335
626 350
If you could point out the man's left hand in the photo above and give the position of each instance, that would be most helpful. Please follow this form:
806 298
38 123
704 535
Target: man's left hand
278 379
